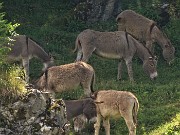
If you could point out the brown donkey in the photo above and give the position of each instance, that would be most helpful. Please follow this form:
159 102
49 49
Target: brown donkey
146 31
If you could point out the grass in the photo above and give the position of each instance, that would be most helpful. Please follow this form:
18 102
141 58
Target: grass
53 27
169 128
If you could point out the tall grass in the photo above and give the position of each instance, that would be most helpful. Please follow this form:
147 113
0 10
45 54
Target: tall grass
11 83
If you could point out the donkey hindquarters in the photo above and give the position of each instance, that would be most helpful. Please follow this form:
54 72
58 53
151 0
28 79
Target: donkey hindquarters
66 77
116 104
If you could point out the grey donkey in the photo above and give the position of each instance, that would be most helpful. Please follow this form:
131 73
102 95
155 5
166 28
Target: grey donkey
23 49
145 30
115 45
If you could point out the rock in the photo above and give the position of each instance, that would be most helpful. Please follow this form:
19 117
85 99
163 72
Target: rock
34 114
97 10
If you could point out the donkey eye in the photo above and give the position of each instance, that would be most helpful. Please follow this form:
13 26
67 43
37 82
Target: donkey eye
152 65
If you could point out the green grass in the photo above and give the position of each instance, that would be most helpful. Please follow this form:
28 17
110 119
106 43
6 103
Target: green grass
51 24
169 128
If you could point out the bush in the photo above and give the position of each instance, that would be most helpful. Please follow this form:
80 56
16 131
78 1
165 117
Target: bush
10 85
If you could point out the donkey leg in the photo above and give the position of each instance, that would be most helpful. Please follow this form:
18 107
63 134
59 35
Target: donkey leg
130 125
128 117
119 70
97 124
87 52
79 55
87 88
130 71
106 125
25 63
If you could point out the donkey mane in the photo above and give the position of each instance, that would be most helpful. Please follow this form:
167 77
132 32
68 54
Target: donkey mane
41 45
139 42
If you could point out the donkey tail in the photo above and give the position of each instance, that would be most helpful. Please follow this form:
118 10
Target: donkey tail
126 34
77 45
135 111
92 83
46 79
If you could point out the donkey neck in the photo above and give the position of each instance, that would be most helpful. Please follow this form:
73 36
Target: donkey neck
73 108
159 37
37 51
142 52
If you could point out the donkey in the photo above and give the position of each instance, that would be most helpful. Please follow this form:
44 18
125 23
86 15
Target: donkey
24 48
146 31
86 106
116 104
81 108
115 45
65 77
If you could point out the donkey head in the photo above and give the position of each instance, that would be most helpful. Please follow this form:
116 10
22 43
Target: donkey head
149 67
48 63
89 110
168 53
79 123
162 39
89 114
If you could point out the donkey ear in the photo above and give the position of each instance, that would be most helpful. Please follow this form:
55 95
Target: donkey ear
92 96
51 56
156 58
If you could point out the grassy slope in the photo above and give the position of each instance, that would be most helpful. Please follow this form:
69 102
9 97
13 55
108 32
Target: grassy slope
49 24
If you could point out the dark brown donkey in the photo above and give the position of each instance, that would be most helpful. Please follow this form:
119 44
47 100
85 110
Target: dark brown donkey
24 48
86 106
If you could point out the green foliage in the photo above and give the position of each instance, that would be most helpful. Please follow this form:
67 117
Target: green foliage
10 86
6 29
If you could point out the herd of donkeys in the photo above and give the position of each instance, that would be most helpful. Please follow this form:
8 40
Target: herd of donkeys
134 30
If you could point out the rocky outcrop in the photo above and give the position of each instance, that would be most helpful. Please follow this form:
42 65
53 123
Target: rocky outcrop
96 10
34 114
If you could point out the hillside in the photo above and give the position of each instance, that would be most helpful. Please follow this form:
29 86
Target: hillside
52 24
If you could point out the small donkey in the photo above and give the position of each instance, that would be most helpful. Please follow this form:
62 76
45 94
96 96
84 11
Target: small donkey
66 77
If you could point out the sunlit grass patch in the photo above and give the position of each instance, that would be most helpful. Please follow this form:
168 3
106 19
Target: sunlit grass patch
169 128
12 84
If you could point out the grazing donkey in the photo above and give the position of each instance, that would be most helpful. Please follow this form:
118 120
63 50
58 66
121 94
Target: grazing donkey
84 109
86 106
146 31
24 48
116 104
69 76
115 45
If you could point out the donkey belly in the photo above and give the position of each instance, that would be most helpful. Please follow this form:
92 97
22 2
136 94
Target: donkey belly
65 86
109 55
